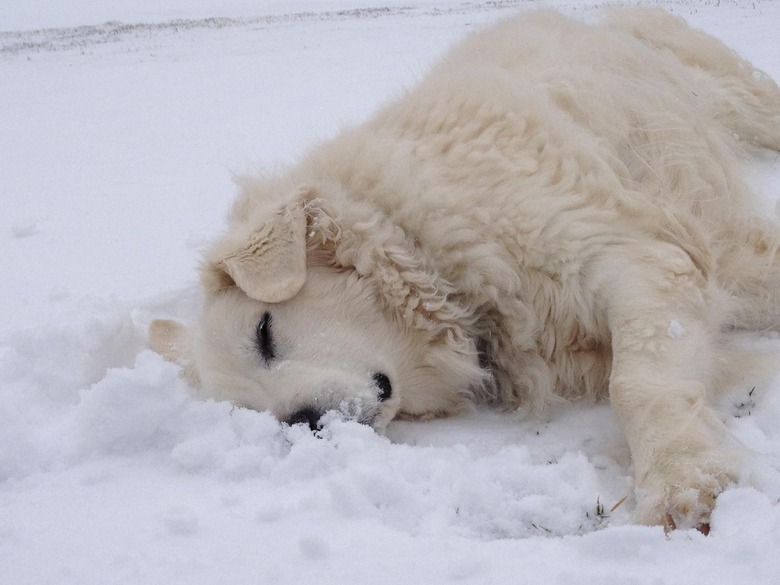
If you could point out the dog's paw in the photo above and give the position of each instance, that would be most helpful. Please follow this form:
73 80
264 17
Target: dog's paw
682 495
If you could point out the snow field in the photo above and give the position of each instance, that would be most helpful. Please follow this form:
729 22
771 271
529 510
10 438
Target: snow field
118 149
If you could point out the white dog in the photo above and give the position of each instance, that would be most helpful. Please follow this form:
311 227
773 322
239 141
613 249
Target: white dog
554 212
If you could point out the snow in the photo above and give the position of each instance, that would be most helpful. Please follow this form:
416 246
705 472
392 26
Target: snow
119 141
676 330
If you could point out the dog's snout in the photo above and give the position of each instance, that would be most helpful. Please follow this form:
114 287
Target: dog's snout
356 402
306 416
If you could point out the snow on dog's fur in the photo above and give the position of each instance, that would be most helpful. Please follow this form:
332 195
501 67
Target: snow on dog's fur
554 212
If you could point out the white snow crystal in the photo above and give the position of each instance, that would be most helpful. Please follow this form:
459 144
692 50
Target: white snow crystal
675 330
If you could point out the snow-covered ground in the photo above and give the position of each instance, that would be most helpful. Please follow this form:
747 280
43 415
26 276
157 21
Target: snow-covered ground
120 126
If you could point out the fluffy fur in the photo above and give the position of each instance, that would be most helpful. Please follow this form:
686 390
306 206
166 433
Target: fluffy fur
554 212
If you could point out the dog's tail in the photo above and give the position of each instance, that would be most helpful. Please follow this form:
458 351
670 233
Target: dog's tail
745 99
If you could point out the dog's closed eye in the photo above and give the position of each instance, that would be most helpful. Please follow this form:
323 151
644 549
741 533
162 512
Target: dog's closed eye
264 341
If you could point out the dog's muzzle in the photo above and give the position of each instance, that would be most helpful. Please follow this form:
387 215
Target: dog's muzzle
362 409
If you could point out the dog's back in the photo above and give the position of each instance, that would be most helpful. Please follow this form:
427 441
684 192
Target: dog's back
641 115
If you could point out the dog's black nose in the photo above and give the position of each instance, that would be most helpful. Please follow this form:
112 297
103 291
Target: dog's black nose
382 382
305 416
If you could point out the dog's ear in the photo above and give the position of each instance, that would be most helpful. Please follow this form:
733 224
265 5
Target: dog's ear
264 254
171 340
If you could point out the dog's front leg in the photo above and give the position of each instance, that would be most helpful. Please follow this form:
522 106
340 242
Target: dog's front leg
663 317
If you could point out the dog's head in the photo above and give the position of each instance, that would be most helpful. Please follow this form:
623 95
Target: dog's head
310 309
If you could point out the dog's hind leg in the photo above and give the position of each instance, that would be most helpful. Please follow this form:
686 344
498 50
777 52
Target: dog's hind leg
746 102
743 98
